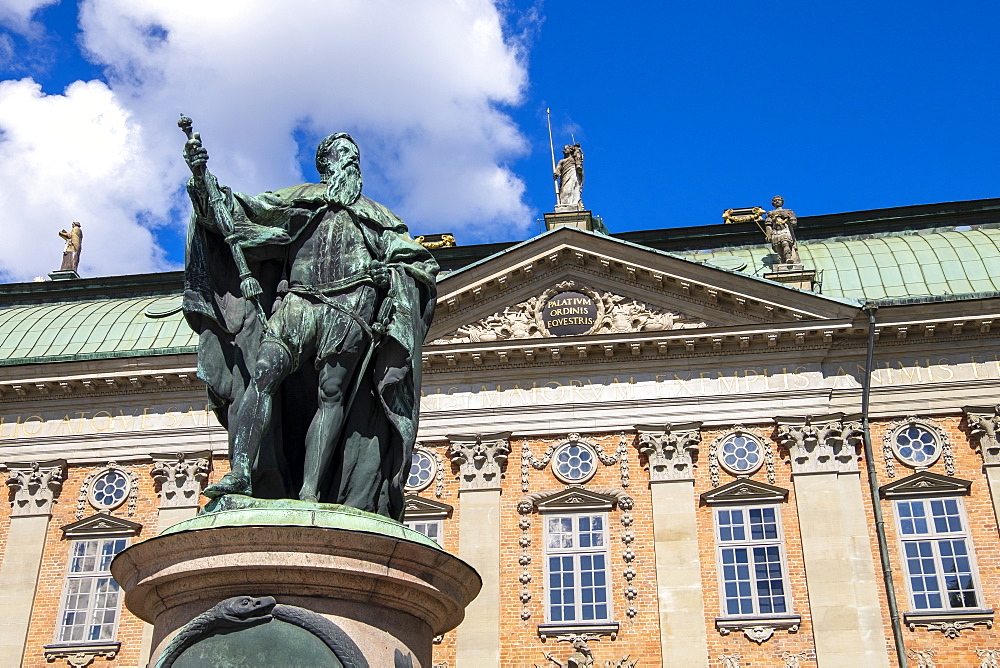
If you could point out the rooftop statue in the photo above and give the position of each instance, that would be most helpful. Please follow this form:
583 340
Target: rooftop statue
74 242
312 303
569 172
779 228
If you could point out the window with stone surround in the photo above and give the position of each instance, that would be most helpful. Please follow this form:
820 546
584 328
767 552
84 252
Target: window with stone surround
576 568
937 554
750 553
91 598
90 605
426 516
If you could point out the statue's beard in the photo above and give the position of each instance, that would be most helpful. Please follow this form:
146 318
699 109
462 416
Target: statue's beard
343 186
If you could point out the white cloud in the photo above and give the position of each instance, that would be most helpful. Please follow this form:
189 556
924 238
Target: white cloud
76 156
17 14
421 86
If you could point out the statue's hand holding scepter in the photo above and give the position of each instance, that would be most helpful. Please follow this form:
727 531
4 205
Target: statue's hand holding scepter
196 157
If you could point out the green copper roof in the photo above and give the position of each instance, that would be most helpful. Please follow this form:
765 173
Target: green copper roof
907 265
93 329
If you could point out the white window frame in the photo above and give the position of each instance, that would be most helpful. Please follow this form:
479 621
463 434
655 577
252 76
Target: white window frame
749 544
577 555
936 539
95 575
426 527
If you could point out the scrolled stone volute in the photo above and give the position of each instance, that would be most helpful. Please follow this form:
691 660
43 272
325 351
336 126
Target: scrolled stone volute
984 423
823 444
481 458
181 477
35 486
670 449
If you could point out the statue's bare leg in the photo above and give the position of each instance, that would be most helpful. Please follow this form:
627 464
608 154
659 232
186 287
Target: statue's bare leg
252 419
324 430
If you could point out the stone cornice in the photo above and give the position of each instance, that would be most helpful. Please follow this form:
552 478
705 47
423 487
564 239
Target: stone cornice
104 384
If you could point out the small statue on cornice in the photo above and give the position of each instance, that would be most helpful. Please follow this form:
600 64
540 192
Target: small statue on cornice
569 174
74 242
779 228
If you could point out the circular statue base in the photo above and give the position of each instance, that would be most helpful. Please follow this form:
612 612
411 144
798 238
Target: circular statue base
256 582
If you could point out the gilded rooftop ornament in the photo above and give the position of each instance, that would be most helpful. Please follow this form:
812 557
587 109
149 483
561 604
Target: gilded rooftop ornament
311 303
74 242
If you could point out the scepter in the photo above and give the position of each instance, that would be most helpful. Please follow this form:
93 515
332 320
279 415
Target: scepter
552 150
249 286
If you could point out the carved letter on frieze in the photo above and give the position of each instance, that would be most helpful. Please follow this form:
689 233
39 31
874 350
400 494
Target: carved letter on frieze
35 486
670 449
181 478
480 458
820 444
984 421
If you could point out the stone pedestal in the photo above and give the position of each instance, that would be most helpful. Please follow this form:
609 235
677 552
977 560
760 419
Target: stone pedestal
381 588
794 275
571 216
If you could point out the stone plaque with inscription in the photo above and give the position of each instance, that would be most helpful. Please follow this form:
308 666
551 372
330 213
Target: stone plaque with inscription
570 312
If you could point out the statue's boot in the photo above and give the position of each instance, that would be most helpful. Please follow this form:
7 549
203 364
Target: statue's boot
231 483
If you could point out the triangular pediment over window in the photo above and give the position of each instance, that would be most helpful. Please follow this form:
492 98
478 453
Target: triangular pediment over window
101 525
925 483
634 287
745 491
575 499
417 507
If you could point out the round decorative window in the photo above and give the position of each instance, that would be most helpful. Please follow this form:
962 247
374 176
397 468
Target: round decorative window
574 462
109 490
916 446
422 470
741 454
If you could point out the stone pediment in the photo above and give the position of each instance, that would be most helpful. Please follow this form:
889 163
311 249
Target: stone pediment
925 483
574 499
101 525
612 287
417 507
567 308
745 491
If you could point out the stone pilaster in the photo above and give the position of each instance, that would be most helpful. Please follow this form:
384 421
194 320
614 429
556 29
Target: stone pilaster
481 459
180 478
670 450
984 422
35 487
839 565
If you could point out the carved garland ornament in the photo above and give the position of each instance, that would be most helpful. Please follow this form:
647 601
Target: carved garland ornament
583 656
988 658
529 461
626 504
595 313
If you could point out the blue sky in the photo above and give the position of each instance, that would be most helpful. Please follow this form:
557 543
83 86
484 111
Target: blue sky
683 110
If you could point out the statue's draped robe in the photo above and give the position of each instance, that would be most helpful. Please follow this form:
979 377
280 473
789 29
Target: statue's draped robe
372 458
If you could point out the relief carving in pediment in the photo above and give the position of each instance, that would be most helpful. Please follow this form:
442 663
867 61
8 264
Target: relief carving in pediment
567 309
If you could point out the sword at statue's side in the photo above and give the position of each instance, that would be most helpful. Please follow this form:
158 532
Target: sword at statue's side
249 286
552 150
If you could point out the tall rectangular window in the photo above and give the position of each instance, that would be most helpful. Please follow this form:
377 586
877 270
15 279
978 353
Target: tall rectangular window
576 556
751 561
91 597
937 554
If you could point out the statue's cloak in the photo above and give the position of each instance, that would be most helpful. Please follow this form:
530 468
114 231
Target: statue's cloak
372 459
